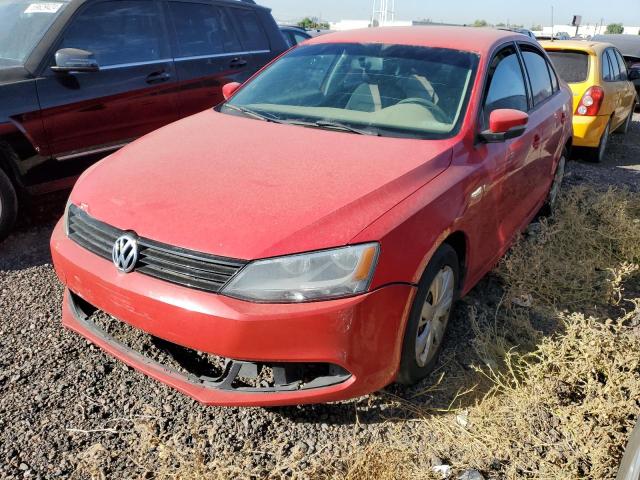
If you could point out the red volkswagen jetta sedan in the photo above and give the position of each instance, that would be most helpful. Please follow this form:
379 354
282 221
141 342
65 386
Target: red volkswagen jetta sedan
307 238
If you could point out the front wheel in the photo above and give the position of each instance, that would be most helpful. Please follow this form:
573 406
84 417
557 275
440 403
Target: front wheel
429 317
8 205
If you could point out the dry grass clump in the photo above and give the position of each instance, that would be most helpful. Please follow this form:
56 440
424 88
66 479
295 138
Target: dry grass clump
579 258
562 411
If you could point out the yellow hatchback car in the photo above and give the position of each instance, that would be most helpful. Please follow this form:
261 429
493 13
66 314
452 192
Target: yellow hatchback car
603 95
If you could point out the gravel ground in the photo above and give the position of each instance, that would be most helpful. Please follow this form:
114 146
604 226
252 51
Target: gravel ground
60 397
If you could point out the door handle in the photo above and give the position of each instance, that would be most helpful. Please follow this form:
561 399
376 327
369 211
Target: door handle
158 77
238 63
536 141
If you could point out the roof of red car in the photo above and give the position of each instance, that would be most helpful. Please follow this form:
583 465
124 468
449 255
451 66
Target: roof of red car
459 38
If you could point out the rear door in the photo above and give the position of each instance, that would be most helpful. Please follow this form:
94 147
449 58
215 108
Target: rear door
546 119
628 91
615 89
207 53
253 36
89 114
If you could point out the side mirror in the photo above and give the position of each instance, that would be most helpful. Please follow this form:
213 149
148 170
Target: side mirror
229 89
504 124
634 74
75 60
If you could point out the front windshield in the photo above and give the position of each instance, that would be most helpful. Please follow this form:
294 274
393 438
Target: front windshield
387 90
22 25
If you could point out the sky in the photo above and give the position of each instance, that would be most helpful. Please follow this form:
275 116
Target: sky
527 13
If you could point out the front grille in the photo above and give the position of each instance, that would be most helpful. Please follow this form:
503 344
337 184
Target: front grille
172 264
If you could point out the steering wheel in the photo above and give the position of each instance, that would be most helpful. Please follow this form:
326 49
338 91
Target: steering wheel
429 105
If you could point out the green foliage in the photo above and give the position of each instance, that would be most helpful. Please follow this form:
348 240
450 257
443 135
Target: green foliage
313 23
536 28
480 23
615 28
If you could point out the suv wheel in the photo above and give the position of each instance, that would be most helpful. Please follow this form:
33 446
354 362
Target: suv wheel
8 205
429 316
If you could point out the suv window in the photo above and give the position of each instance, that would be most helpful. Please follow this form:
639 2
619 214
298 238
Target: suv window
251 32
621 64
22 25
202 30
539 77
607 75
119 32
506 87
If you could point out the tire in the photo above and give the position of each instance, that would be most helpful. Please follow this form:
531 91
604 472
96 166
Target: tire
8 205
597 154
624 128
556 185
416 363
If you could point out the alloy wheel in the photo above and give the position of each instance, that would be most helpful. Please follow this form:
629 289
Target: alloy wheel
434 316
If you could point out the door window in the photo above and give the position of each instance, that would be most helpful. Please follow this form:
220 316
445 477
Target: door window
621 64
119 32
506 87
202 30
536 65
251 32
554 78
607 75
615 68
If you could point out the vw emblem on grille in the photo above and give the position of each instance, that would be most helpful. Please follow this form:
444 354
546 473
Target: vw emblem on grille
125 253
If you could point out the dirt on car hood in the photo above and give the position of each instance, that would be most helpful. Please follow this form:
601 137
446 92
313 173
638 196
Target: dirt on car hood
249 189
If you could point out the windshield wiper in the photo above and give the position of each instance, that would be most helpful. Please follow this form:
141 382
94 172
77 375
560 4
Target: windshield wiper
344 127
317 124
254 114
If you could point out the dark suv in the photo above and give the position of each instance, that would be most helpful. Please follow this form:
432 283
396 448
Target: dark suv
81 78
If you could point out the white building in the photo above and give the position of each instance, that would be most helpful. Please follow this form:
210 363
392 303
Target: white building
355 24
586 30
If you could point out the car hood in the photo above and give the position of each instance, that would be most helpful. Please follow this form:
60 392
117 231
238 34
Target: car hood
249 189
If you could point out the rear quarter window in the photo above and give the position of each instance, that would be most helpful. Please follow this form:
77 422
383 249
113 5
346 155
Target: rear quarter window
572 66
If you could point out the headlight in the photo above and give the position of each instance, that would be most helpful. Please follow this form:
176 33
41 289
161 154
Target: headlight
322 275
65 219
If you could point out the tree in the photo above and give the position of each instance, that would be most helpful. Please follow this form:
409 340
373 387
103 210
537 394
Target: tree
615 28
480 23
536 28
501 25
313 23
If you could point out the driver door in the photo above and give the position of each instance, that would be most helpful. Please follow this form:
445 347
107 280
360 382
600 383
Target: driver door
497 193
133 93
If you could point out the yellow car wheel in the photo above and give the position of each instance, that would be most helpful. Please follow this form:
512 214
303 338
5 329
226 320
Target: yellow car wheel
624 128
597 154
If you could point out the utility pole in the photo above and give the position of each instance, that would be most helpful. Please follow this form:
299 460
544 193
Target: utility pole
551 22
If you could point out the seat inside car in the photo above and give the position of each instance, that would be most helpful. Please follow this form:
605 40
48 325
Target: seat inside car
379 87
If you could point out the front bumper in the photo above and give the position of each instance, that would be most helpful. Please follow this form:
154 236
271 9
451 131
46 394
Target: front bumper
362 335
587 131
